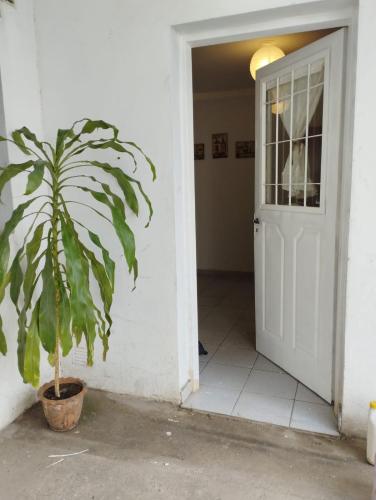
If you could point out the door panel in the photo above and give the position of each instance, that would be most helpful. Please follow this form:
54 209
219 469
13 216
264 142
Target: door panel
273 270
298 109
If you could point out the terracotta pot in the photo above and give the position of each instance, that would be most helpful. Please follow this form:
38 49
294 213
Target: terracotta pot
63 415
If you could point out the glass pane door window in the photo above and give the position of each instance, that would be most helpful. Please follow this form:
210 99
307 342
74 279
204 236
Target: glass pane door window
293 111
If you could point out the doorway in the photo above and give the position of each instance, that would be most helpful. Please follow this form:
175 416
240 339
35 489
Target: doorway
236 379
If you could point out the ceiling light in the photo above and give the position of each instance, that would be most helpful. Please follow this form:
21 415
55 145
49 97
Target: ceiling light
264 56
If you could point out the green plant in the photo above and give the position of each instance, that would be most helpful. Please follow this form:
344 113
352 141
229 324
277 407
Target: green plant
61 307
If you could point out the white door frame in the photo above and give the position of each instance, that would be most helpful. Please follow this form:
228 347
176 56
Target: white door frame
292 19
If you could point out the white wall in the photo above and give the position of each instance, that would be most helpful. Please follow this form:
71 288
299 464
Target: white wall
225 186
19 105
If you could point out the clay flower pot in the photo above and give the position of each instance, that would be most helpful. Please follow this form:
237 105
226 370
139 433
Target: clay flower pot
63 414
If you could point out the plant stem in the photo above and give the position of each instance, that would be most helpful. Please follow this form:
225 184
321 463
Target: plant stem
55 260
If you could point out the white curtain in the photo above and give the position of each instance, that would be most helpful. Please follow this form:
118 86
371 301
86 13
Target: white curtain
297 131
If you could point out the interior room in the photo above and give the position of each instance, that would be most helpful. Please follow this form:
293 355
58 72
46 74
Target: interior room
236 379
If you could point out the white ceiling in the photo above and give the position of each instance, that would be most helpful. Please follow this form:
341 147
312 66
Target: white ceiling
226 66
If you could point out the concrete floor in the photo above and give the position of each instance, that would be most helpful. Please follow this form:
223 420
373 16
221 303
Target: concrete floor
131 455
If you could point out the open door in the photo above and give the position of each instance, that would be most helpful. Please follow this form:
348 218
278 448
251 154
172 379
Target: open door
298 130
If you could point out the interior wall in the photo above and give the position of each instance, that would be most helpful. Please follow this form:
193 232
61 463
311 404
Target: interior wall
19 105
224 186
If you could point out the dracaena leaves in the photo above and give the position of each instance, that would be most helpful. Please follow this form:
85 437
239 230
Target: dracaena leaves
35 178
62 271
32 349
11 171
3 342
47 307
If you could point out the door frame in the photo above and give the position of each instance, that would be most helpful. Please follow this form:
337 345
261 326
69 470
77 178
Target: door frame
286 20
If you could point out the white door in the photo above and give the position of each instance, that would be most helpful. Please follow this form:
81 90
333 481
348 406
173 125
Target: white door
298 110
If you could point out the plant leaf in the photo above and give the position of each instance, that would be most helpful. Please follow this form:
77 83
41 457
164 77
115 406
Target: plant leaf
35 178
111 144
29 284
3 342
144 195
83 317
123 231
11 171
4 237
16 278
92 125
65 322
123 182
30 136
21 340
47 308
62 136
4 285
148 160
17 137
108 262
104 283
32 351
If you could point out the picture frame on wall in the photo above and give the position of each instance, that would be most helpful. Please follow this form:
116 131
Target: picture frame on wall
245 149
220 145
200 151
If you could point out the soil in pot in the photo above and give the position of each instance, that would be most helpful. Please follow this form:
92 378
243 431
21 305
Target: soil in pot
66 391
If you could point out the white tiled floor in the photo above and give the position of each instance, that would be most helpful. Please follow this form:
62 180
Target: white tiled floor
234 378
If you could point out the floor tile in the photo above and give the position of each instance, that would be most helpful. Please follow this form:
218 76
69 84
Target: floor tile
205 358
241 340
279 385
210 337
304 394
266 365
203 312
214 399
203 361
229 377
210 349
264 408
235 356
314 417
220 320
232 374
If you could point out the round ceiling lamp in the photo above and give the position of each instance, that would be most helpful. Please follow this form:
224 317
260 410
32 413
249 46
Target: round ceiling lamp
267 54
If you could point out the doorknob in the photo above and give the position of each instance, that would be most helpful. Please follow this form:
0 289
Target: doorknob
256 220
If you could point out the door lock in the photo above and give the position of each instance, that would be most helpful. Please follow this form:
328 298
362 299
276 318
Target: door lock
256 220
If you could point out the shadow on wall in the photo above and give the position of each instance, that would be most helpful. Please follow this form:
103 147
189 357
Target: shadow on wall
6 196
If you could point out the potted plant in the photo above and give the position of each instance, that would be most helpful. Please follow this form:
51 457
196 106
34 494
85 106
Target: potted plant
52 277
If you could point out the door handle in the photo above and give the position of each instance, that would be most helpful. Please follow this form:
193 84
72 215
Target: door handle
256 220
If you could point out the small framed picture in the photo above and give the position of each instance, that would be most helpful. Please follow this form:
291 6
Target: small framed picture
245 149
220 145
200 151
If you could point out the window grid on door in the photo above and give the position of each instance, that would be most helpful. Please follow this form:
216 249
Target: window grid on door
293 129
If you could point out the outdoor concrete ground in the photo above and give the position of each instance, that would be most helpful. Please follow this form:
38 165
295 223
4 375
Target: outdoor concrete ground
132 455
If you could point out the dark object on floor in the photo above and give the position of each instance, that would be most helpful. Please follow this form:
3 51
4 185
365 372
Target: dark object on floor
201 349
